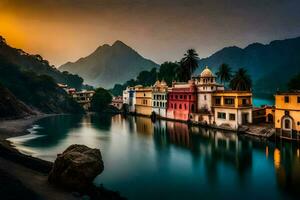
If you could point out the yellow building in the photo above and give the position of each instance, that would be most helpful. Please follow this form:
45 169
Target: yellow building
232 108
143 104
287 114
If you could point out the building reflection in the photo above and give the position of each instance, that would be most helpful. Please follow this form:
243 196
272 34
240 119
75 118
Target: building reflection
144 126
287 167
211 145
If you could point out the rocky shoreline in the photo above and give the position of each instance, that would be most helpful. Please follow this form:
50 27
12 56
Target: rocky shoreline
29 175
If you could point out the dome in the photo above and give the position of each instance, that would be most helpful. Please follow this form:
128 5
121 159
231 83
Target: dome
206 73
157 83
163 83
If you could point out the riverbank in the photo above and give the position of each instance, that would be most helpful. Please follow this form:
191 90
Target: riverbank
25 177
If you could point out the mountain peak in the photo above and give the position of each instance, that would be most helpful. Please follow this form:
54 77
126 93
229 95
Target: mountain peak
119 43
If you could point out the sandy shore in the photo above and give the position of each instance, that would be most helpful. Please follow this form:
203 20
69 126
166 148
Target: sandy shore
24 177
17 127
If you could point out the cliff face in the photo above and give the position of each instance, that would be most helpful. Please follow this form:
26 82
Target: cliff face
108 65
37 91
11 107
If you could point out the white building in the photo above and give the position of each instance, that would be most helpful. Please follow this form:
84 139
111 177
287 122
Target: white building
129 98
232 108
206 86
160 98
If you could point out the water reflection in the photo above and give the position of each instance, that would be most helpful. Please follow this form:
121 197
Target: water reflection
171 158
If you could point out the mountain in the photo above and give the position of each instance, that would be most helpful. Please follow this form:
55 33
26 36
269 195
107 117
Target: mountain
108 65
27 78
36 63
11 107
270 65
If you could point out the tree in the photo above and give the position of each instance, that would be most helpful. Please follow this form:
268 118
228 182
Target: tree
241 81
147 78
167 72
224 73
294 83
188 64
101 99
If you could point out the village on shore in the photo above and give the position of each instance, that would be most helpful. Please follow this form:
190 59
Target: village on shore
205 102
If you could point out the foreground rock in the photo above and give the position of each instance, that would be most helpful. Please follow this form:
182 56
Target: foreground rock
76 167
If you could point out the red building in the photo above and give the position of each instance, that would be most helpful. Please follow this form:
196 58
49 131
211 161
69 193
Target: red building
182 100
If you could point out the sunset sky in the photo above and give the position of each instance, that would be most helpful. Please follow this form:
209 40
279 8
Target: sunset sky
161 30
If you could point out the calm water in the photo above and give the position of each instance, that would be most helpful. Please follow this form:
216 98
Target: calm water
257 102
169 160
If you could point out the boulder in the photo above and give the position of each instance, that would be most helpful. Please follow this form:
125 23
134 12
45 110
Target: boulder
76 167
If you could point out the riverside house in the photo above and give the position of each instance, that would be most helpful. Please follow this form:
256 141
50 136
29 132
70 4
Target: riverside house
287 114
182 100
117 102
159 99
84 98
232 108
129 99
143 104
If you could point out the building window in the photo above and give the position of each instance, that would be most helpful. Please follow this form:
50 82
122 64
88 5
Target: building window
192 107
144 94
298 99
171 105
218 101
221 115
160 104
205 97
190 96
175 106
176 97
232 117
229 101
286 99
184 96
180 96
185 106
171 96
287 124
244 101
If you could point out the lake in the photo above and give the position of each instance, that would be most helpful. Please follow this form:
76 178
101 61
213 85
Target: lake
169 160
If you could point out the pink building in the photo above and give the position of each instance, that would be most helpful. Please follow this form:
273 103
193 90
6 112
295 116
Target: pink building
182 100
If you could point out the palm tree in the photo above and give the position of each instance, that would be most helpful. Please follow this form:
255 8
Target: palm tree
188 64
241 81
224 73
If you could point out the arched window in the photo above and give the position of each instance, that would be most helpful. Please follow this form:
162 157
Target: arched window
185 106
287 124
179 106
171 105
175 106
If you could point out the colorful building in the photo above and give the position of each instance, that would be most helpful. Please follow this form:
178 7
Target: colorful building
159 99
232 108
182 100
287 114
143 104
129 99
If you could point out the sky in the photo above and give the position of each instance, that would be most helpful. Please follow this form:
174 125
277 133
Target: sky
161 30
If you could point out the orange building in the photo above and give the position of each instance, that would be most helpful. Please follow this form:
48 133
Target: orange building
287 114
143 104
